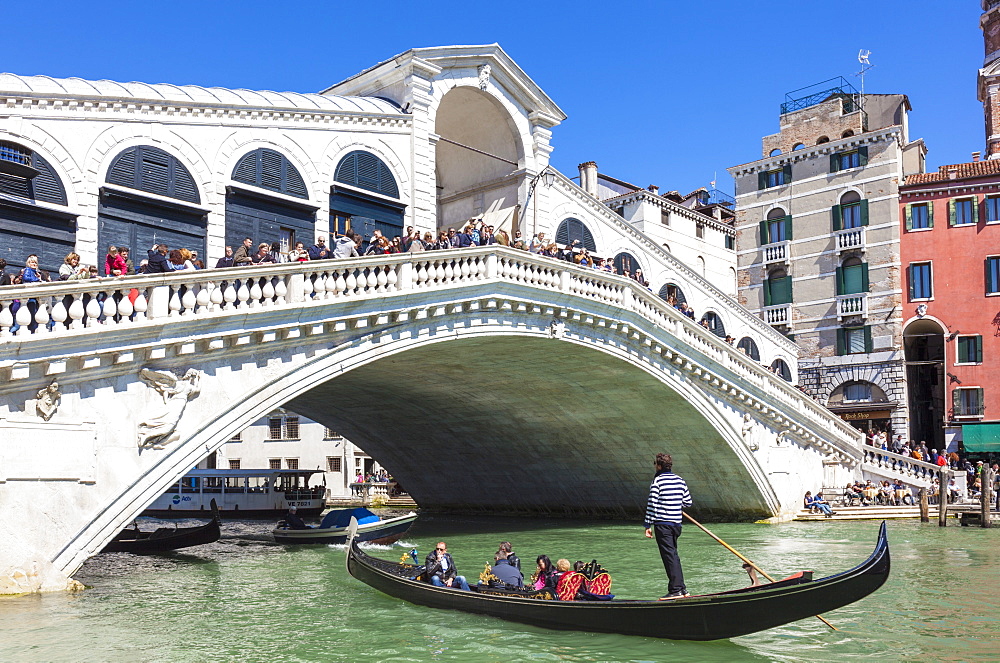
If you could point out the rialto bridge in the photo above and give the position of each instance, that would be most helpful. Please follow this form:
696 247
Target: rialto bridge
484 378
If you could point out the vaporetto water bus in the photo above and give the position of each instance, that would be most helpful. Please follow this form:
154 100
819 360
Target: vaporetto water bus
242 494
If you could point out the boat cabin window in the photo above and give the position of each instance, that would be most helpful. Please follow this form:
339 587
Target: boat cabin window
236 484
190 485
257 484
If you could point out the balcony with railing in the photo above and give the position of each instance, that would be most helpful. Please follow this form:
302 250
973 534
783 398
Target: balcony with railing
778 315
850 239
776 252
850 305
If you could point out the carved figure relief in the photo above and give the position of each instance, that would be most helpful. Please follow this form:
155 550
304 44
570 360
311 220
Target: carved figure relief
484 76
748 433
557 329
159 423
47 400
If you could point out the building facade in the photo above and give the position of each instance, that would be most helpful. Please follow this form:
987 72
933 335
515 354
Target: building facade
950 255
284 440
818 245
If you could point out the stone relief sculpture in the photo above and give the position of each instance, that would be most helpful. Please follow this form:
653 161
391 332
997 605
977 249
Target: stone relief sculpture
47 400
557 329
748 432
484 76
160 420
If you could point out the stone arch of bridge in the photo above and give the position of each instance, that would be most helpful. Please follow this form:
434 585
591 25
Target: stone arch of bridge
475 415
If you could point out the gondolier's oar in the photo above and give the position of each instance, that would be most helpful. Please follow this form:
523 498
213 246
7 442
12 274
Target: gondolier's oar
745 560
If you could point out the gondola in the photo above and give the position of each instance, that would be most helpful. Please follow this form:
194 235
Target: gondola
701 617
333 529
165 539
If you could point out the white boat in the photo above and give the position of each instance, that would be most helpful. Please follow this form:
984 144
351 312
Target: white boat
242 494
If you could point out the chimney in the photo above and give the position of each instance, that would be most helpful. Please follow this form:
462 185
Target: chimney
588 177
975 156
655 190
952 172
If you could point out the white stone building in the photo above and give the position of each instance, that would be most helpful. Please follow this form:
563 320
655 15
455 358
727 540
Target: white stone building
285 440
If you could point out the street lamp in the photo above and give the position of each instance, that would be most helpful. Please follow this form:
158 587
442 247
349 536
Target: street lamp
549 177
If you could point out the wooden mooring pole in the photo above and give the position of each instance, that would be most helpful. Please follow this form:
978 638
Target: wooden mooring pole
924 509
986 479
943 475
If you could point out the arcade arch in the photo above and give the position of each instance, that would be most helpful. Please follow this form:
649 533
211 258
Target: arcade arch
924 351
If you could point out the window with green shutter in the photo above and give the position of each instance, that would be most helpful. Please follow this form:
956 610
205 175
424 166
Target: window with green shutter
967 402
993 275
773 178
850 159
852 277
778 288
919 216
963 212
854 340
970 350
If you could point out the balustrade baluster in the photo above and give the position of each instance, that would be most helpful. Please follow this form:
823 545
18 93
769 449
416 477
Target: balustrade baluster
351 283
77 312
59 315
392 277
381 280
337 283
307 287
449 272
267 292
6 318
216 297
189 300
94 309
174 304
42 316
109 308
203 300
420 274
281 290
125 307
242 293
371 279
255 293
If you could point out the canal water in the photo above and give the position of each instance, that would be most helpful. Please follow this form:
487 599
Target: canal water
246 598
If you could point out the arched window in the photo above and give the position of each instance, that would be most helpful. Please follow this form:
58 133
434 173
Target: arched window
852 277
25 228
269 169
777 227
781 368
749 348
150 169
573 229
822 139
353 210
852 212
775 152
366 171
713 323
670 293
847 134
798 146
626 262
778 288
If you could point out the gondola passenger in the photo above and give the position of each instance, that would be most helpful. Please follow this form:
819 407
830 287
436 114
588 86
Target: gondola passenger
439 569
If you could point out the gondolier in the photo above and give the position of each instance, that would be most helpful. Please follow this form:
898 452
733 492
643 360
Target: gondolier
668 494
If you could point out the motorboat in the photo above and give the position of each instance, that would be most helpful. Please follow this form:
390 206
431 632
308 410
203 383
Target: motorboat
333 528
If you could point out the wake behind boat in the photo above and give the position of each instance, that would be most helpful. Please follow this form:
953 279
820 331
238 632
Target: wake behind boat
705 617
333 529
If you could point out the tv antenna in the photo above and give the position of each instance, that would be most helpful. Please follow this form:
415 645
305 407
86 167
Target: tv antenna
863 56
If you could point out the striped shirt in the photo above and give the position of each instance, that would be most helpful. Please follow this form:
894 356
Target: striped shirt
668 494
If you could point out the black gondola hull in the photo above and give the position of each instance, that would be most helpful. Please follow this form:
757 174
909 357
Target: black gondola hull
708 617
165 539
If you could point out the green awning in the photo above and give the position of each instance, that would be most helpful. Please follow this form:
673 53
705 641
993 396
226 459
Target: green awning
981 437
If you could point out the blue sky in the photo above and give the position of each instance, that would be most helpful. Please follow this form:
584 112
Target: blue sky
664 93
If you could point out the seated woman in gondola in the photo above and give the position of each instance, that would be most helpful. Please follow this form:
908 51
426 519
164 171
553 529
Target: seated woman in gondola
545 574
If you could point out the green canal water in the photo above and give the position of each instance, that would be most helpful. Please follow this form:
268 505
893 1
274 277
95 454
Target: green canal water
245 598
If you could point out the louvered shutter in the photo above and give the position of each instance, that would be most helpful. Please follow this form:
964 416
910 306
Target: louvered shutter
841 341
786 174
366 171
864 212
956 401
788 228
909 279
768 282
908 214
761 180
571 229
46 185
930 214
864 277
863 156
122 171
840 281
951 212
763 233
271 165
182 184
788 289
979 349
838 217
246 169
387 183
154 171
834 162
975 209
868 338
295 185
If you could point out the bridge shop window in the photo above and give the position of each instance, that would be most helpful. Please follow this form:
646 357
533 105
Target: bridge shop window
672 294
574 229
713 323
25 227
252 212
852 212
780 368
919 216
852 277
777 227
365 197
778 288
749 348
963 211
854 340
172 215
849 159
772 178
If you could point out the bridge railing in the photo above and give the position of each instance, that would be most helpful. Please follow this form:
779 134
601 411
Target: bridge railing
28 312
906 466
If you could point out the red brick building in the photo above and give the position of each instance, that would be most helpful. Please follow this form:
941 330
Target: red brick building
950 264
